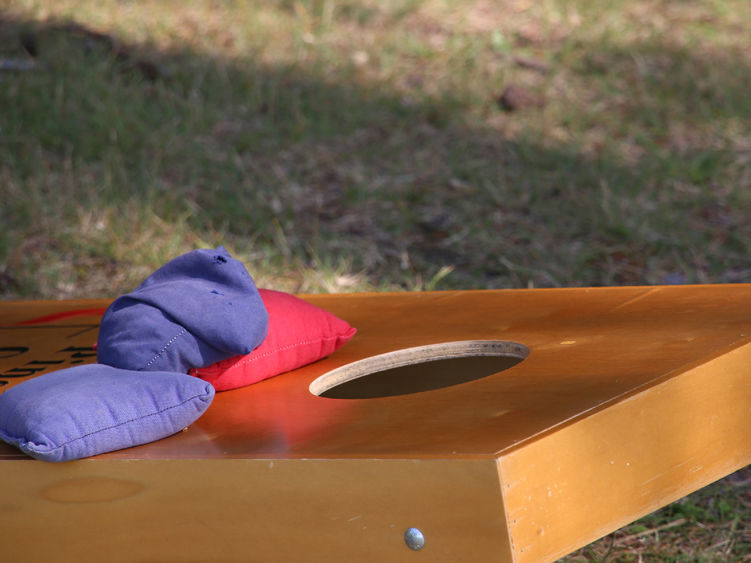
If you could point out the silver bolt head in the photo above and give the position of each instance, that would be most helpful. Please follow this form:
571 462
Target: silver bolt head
414 539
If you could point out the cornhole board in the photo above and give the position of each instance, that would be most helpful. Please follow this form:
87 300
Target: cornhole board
627 399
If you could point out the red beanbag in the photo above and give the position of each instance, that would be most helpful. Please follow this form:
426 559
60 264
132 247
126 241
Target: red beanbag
299 334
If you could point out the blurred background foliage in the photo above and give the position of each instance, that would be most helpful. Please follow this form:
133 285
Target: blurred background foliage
351 145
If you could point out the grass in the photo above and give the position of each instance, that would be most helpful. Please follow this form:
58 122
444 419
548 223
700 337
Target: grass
366 138
711 525
335 145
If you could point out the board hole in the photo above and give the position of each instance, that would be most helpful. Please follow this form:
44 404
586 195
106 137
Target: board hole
423 368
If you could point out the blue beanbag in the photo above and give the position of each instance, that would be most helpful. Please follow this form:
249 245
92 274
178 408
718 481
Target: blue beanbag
197 309
92 409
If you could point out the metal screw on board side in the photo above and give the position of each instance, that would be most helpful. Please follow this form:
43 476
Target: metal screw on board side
414 539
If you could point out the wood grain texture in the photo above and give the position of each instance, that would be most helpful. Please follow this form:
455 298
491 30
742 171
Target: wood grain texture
630 398
583 481
251 510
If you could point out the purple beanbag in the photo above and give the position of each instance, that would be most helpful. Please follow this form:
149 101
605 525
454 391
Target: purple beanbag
92 409
197 309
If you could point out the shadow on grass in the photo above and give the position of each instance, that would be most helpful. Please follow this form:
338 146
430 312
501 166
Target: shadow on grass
322 166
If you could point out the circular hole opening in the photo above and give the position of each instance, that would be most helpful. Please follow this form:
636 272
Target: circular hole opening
422 368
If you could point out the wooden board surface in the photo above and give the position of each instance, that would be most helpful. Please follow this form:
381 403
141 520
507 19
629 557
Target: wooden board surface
251 510
629 398
588 348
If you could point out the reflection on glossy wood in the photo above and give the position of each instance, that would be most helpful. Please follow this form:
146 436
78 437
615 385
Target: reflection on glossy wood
629 399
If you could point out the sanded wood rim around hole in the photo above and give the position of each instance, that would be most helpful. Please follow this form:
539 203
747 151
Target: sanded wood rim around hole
326 384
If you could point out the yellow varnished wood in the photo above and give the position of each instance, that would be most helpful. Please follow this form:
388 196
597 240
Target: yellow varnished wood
601 472
251 510
629 398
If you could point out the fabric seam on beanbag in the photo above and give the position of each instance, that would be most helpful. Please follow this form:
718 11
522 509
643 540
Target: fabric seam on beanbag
116 425
163 350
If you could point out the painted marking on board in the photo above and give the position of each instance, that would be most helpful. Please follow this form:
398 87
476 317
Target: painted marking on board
38 352
96 312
